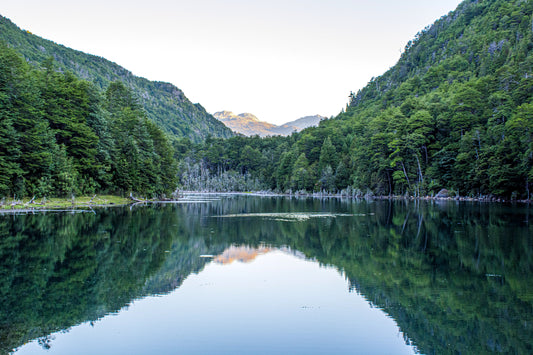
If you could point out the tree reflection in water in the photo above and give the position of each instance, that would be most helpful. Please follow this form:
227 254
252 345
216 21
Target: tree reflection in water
456 277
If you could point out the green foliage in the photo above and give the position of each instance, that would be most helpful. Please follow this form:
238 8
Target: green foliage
301 176
453 113
457 85
163 103
328 154
59 136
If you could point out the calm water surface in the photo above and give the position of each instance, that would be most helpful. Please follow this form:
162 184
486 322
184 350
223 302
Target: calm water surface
245 274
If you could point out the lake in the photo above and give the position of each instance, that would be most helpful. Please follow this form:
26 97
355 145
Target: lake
236 274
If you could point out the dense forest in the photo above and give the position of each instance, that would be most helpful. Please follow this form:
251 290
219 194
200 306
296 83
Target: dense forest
60 135
454 113
163 103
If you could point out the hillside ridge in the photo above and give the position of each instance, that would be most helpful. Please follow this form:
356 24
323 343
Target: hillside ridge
164 103
453 118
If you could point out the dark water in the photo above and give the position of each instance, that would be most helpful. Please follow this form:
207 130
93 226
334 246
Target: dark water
243 274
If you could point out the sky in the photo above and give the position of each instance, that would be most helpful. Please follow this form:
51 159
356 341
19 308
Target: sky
279 59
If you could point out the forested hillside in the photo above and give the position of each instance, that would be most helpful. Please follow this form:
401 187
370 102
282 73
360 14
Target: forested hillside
60 135
164 103
455 112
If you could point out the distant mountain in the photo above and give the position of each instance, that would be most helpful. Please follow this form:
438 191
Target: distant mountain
164 103
304 122
250 125
244 123
454 114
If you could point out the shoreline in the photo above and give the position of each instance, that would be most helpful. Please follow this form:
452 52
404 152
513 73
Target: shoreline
85 204
77 204
489 199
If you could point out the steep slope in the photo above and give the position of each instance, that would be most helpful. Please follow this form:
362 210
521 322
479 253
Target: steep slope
250 125
455 113
164 103
62 136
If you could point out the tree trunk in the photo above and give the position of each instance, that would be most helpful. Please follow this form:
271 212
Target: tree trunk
406 177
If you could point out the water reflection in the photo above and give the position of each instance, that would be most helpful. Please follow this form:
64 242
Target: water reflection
275 303
241 253
455 277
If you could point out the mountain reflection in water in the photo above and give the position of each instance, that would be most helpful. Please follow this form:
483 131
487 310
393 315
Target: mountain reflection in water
240 253
454 277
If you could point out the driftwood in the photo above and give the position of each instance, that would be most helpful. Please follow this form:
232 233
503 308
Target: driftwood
176 195
42 203
166 199
14 203
30 201
136 199
91 200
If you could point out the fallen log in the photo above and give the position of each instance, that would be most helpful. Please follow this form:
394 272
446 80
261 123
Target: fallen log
135 199
30 201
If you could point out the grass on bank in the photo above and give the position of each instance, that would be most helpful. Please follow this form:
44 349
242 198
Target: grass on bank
56 202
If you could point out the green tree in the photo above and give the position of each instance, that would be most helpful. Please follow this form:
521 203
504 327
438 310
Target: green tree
250 159
300 178
284 171
328 154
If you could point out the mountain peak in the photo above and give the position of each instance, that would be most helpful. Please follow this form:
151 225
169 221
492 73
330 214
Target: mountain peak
249 117
249 125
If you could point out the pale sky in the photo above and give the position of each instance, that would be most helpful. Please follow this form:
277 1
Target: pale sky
278 59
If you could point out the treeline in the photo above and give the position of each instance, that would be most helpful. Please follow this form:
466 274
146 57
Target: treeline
456 112
235 164
60 135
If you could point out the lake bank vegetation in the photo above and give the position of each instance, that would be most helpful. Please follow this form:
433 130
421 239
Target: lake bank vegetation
455 113
452 119
54 203
62 136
